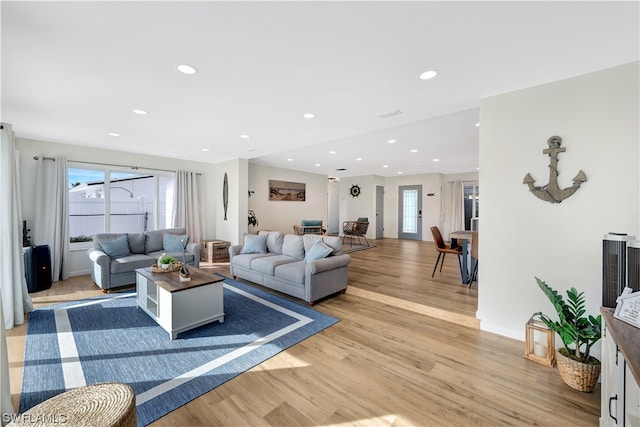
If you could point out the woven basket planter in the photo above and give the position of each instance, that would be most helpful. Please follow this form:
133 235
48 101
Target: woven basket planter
577 375
175 266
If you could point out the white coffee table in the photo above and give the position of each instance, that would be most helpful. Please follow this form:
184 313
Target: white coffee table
180 306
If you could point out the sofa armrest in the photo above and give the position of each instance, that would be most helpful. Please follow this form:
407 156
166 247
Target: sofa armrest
234 250
328 263
194 248
100 268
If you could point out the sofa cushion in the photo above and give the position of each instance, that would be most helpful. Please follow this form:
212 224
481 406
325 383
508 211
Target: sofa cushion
291 272
254 244
117 247
130 263
136 242
293 246
268 264
246 260
274 241
153 241
155 238
335 242
174 242
318 251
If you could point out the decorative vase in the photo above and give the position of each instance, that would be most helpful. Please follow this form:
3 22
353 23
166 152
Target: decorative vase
165 265
577 375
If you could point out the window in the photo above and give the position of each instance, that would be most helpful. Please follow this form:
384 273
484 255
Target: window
106 199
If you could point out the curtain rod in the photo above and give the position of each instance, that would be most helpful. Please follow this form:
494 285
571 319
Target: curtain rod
109 164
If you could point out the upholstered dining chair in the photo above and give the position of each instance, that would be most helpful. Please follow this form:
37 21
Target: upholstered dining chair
474 255
444 249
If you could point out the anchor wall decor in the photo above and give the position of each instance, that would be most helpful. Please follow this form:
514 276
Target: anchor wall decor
551 192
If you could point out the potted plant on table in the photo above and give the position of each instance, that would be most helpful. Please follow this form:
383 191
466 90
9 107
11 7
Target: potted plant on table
579 332
165 260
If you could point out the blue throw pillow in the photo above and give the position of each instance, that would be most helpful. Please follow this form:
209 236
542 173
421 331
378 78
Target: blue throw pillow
116 248
174 242
318 251
254 244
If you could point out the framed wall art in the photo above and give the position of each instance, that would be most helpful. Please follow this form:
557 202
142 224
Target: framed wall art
288 191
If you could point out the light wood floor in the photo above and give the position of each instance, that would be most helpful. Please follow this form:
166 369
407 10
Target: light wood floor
385 363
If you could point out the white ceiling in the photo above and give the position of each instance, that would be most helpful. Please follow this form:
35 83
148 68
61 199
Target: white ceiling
73 71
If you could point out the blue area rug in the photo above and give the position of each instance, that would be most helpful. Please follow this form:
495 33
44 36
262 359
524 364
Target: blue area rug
110 339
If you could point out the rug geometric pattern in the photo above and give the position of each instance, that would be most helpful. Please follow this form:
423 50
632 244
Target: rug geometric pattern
109 339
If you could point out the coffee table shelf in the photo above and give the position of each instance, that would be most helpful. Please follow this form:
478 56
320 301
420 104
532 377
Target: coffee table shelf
180 306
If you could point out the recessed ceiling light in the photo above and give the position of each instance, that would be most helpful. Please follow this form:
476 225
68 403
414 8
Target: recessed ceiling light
391 141
113 134
478 124
244 136
332 152
205 149
358 159
385 166
414 151
317 164
436 160
141 112
400 173
309 115
428 75
289 160
187 69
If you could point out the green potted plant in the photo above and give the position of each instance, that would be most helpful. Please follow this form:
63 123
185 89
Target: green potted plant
253 221
579 332
166 260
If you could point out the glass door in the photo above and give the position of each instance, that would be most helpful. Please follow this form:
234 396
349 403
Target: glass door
410 212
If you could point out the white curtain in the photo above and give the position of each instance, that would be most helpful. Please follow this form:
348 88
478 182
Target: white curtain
51 220
14 297
188 204
456 212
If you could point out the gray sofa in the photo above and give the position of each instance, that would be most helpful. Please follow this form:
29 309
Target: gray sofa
115 256
292 264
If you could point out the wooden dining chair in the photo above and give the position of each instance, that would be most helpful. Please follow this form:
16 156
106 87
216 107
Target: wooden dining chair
444 249
474 255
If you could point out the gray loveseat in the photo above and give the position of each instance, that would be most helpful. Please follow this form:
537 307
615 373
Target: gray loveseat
115 256
295 265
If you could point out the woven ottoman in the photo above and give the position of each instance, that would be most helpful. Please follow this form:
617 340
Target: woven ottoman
97 405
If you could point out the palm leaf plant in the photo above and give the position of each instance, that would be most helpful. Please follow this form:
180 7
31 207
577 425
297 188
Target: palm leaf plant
579 332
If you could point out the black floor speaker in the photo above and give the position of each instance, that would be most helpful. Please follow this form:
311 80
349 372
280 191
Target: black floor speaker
614 266
37 267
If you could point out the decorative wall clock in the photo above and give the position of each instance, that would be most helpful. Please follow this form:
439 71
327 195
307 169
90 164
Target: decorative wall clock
355 190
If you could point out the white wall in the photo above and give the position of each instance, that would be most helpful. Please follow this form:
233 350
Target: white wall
282 215
352 208
597 116
233 228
